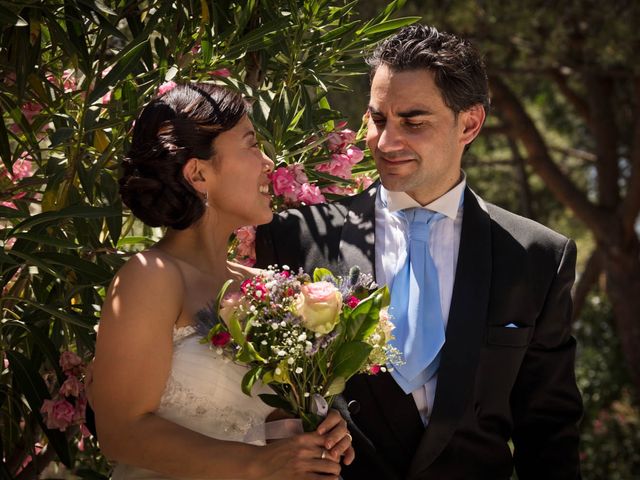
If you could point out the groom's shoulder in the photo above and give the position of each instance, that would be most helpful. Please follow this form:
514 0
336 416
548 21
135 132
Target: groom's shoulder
527 232
321 215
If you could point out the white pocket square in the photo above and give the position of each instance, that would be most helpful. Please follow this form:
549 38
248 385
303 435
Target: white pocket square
511 325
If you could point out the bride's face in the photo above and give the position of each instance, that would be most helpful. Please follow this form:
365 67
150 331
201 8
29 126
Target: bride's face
239 184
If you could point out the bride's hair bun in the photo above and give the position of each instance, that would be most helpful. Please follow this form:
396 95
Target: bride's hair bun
171 129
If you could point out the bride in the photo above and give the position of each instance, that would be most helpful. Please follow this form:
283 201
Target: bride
167 406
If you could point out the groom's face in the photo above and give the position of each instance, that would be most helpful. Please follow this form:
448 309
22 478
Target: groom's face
416 140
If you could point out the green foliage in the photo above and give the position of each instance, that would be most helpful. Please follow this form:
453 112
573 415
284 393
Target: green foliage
74 75
610 440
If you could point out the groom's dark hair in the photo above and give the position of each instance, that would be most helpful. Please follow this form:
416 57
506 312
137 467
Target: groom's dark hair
457 66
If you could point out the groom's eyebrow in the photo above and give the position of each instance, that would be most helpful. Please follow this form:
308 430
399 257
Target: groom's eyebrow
414 112
249 134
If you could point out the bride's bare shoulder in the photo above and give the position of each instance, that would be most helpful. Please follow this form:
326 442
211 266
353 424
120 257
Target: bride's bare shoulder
150 266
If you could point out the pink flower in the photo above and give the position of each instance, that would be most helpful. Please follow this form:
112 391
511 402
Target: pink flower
374 369
106 98
284 184
354 154
340 166
70 362
165 87
246 285
246 241
335 141
297 169
310 194
57 413
337 190
221 72
319 305
353 301
30 110
348 136
246 261
72 387
363 182
341 125
220 339
260 290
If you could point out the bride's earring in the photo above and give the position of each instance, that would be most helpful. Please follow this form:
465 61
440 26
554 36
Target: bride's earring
206 199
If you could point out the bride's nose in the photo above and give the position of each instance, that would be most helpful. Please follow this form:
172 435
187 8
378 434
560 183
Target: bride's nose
267 163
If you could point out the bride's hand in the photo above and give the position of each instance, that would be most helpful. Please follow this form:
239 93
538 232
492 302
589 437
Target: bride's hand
299 457
337 437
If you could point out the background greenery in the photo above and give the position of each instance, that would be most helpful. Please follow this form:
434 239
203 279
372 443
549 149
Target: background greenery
562 146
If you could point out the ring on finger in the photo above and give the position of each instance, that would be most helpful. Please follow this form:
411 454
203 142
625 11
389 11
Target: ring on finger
324 454
350 437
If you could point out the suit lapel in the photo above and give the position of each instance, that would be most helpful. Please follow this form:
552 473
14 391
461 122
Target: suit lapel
357 246
465 331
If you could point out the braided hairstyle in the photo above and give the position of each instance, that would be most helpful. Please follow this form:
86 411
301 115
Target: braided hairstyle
180 125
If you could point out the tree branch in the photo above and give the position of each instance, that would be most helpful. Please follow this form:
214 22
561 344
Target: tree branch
631 204
585 282
580 105
523 128
604 130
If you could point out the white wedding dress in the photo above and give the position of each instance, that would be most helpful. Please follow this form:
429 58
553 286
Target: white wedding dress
203 394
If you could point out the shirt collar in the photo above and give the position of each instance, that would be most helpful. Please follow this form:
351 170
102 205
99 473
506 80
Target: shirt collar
447 204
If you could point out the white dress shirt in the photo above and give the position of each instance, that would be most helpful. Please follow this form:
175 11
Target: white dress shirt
444 243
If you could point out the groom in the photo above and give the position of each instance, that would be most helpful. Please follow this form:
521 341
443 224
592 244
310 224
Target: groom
480 297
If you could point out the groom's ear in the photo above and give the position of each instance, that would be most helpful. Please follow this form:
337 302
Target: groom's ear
192 173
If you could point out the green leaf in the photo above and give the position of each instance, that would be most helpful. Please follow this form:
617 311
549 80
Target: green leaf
82 211
389 25
275 401
5 149
35 392
320 274
349 358
125 63
93 272
65 317
48 240
250 378
336 387
9 18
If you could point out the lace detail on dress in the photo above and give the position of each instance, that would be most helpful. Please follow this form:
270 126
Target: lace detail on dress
182 332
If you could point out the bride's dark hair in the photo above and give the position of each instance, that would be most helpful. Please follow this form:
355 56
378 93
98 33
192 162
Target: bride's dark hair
179 125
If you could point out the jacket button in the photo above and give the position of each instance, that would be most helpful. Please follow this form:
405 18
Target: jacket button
354 407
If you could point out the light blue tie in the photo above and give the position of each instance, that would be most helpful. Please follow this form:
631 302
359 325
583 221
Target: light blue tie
415 306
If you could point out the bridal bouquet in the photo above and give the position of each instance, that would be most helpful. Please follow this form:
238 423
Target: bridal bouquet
304 337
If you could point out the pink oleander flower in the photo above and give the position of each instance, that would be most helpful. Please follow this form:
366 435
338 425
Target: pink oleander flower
106 98
70 362
354 154
341 125
72 387
363 182
340 166
310 194
297 169
58 414
319 305
337 190
284 184
246 261
348 136
221 72
30 110
335 142
165 87
246 241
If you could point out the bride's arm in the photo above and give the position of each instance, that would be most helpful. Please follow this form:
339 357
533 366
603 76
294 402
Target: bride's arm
133 361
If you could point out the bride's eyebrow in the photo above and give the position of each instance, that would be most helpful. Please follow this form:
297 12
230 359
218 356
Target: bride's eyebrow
251 134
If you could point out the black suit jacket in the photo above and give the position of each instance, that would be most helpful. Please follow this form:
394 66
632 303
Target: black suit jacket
498 388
